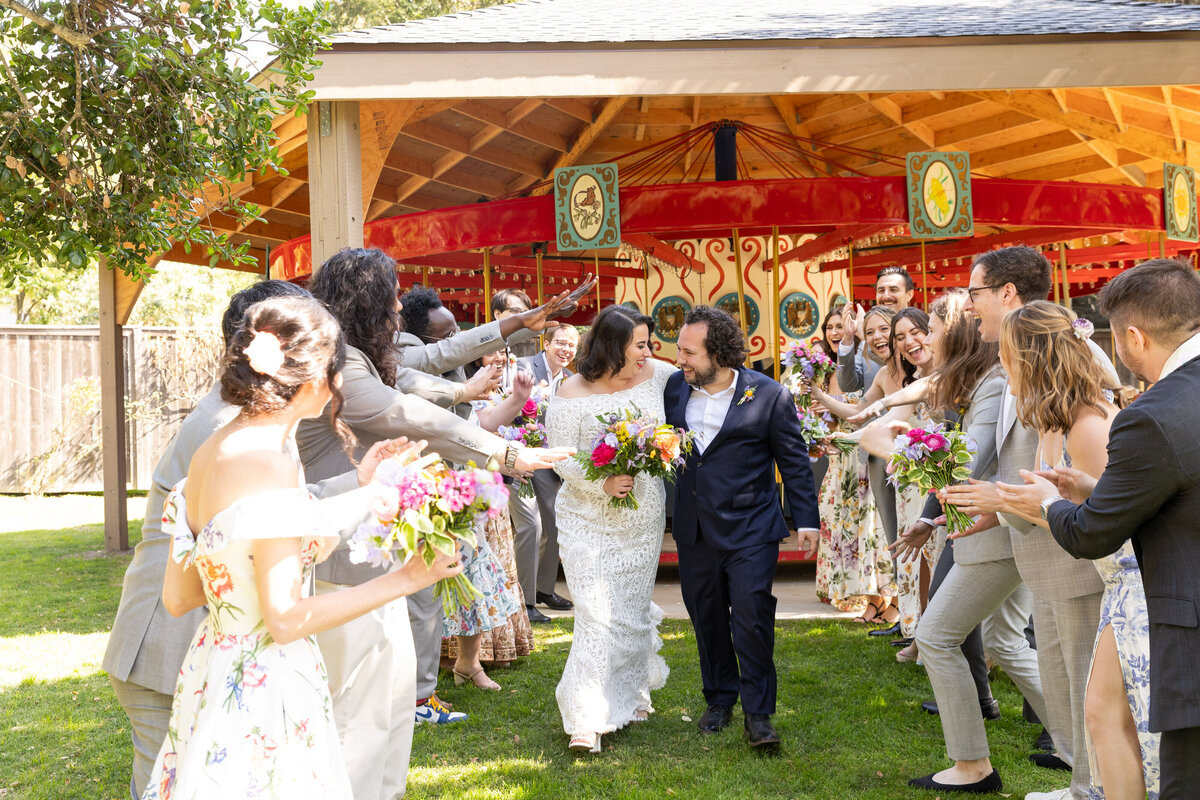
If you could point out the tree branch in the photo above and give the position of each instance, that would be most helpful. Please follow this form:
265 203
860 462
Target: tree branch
73 38
12 79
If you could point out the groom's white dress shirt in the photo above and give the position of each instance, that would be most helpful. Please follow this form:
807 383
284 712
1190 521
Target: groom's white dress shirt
706 413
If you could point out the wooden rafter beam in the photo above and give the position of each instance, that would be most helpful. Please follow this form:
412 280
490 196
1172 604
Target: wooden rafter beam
578 109
1173 116
825 243
1043 106
1108 151
583 141
1114 105
639 132
787 113
892 110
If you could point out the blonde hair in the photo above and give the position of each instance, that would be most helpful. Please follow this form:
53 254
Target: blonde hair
1054 374
963 359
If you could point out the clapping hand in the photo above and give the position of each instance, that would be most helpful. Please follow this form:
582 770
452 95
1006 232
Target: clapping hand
852 316
400 449
522 385
1073 484
485 381
1026 500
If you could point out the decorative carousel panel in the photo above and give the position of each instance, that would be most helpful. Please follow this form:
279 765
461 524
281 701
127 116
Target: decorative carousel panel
1179 202
799 315
587 207
939 195
729 303
668 317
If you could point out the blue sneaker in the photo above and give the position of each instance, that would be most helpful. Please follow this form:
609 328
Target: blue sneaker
433 711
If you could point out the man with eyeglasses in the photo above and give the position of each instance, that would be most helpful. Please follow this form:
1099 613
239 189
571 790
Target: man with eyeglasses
537 552
509 303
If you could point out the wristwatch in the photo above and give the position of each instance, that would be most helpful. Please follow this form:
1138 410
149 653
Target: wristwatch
510 458
1049 501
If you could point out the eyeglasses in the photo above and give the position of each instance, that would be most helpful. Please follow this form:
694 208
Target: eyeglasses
452 332
972 292
515 310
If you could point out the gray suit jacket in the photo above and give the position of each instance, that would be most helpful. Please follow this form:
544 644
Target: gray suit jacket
147 645
437 390
1050 572
375 411
536 364
438 358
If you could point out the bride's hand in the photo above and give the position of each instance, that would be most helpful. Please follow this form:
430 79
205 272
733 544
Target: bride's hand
618 485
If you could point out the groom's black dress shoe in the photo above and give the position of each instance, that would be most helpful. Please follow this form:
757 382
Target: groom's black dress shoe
990 709
536 616
893 630
987 785
715 718
554 600
761 732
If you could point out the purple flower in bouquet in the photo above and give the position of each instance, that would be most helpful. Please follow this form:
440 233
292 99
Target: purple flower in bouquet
932 459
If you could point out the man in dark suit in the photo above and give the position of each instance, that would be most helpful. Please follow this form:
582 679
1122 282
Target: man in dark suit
1150 492
728 522
536 539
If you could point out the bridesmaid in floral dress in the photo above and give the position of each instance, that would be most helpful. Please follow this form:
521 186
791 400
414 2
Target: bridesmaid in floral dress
252 714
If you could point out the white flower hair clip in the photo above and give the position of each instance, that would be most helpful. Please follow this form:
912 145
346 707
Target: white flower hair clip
264 353
1083 329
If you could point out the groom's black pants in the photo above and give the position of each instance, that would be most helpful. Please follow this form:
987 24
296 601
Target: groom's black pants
728 596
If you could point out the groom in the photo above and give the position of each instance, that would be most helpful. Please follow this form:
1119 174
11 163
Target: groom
728 522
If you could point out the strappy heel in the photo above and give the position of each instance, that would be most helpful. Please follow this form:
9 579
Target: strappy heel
460 678
585 742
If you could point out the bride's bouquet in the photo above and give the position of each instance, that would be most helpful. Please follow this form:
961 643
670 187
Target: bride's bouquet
806 366
931 459
426 510
629 443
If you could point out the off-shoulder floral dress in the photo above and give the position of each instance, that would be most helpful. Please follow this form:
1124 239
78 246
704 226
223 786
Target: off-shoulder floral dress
251 717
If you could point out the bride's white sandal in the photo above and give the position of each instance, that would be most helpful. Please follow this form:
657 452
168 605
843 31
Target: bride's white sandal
585 742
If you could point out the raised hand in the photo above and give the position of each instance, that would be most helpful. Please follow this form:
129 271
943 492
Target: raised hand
560 305
531 458
485 381
522 385
400 448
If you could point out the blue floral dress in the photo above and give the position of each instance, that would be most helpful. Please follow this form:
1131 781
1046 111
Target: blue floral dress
251 717
1124 608
496 602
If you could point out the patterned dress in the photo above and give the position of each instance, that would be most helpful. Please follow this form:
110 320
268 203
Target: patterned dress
251 717
910 503
853 562
496 603
1123 606
514 638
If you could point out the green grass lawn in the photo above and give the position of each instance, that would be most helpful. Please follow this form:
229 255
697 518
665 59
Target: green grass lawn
848 713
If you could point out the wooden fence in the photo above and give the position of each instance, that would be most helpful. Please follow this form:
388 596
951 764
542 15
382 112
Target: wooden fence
50 401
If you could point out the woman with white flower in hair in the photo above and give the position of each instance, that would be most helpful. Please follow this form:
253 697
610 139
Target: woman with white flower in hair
252 712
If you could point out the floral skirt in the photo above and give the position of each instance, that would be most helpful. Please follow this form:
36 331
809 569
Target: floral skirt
500 614
853 562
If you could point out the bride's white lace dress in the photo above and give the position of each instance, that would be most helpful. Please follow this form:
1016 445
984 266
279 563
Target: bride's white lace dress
610 557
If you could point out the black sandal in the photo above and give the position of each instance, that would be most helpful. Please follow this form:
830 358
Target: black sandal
863 619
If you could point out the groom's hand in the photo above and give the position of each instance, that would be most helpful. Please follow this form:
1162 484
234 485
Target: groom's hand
809 541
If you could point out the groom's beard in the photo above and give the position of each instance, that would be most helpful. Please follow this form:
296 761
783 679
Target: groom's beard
702 379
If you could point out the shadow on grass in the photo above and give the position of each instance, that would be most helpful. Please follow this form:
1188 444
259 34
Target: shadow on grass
60 580
848 714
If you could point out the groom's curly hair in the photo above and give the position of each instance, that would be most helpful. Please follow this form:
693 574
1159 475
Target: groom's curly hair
724 340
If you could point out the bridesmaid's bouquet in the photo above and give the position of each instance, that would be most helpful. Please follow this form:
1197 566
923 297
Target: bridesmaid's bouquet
423 511
629 443
806 365
931 459
529 433
817 431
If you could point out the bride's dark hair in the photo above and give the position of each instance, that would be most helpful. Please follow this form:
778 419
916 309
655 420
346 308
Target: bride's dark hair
602 351
311 345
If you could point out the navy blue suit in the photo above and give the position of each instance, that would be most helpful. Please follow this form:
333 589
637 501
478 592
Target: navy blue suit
728 524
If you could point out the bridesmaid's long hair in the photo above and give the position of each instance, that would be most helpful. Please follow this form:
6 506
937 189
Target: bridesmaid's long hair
1054 374
963 358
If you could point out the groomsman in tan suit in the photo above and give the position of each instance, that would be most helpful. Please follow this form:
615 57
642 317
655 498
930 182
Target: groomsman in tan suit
1066 591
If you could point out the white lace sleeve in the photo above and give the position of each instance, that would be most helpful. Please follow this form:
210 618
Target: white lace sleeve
663 370
566 421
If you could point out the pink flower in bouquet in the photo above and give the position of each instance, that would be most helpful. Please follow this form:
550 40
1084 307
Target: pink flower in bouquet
916 436
415 491
935 442
386 503
530 409
603 454
668 445
458 490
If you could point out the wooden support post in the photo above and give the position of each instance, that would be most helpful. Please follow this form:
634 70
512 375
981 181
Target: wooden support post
1066 279
112 413
850 270
646 289
335 178
741 286
541 298
924 278
1162 244
487 284
1055 284
775 326
425 278
596 266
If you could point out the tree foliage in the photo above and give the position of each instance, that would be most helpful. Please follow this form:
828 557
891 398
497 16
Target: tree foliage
348 15
114 114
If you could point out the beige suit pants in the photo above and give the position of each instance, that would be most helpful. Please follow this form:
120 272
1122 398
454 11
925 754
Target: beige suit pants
372 679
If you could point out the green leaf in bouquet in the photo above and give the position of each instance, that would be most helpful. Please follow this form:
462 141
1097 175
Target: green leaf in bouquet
439 524
423 523
428 555
409 537
962 458
961 473
446 545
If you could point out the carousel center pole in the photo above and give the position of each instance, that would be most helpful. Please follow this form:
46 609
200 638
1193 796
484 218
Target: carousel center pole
645 287
741 289
850 270
487 285
541 297
775 326
1066 280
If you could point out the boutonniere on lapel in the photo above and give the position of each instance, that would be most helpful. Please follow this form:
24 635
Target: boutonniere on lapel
747 395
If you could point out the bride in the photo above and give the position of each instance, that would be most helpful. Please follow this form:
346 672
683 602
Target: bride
609 555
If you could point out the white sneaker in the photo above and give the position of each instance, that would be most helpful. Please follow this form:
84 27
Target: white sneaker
1058 794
